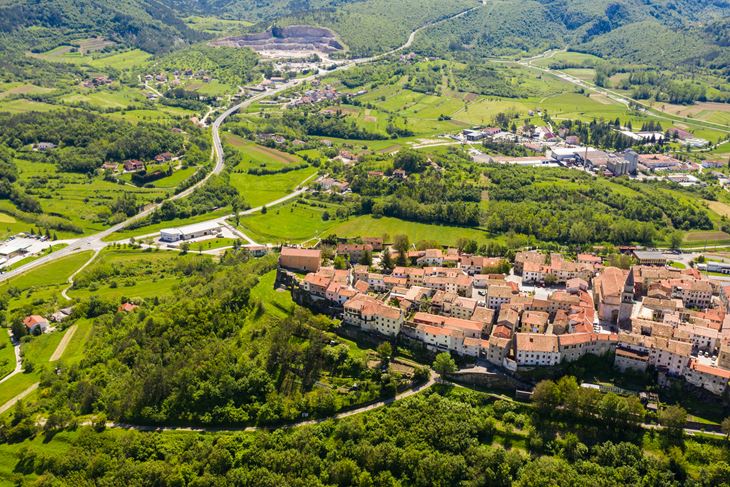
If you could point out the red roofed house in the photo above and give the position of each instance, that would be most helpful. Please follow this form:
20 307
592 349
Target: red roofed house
370 314
127 307
469 328
133 165
35 324
355 251
713 379
536 349
164 157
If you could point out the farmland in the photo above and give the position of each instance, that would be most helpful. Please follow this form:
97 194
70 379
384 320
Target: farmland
82 201
260 189
121 61
370 226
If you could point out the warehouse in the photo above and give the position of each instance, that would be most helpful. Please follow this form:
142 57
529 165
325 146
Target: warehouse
13 248
188 232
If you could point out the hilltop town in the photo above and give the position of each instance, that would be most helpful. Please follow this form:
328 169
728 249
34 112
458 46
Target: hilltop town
546 311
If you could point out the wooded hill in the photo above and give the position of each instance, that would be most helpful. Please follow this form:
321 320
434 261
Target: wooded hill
632 30
150 26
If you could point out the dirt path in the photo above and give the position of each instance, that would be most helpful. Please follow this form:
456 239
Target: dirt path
19 397
18 359
63 344
70 279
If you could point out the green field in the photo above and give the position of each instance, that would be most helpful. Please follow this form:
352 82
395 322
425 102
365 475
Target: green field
141 274
50 274
212 243
173 181
107 98
17 88
295 222
120 61
24 106
292 222
276 303
370 226
259 190
37 351
563 57
9 225
75 349
38 290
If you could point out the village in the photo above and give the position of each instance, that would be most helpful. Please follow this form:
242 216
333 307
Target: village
545 311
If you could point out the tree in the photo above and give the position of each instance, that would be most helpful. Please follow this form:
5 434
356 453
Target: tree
236 208
546 396
386 261
673 419
401 244
340 262
366 258
184 247
385 351
444 364
19 330
675 240
725 427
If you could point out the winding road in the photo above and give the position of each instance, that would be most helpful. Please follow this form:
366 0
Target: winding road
95 242
18 358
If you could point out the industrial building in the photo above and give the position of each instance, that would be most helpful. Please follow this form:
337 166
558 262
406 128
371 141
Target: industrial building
188 232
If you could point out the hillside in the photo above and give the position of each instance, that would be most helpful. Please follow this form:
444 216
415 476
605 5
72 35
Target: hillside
505 26
631 30
151 26
650 42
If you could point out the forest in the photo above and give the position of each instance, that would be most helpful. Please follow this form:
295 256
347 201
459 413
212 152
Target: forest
468 439
426 195
567 207
151 26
